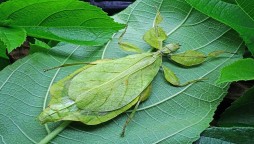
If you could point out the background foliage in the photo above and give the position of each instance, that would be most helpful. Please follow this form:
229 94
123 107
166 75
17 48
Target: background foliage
170 115
69 20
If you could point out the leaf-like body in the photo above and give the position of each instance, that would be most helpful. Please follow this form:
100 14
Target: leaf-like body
216 53
155 36
59 99
158 18
170 76
170 48
189 58
95 94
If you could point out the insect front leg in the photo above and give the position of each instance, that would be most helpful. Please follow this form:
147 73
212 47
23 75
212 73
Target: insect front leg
193 57
126 45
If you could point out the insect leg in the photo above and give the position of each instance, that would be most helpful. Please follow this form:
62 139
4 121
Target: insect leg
121 36
131 116
173 79
143 96
192 81
192 57
128 46
65 65
77 63
218 52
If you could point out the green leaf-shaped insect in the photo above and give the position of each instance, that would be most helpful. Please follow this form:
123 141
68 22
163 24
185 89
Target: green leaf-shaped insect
104 89
94 93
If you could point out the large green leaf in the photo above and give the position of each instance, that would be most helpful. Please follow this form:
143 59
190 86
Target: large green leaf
62 20
3 63
237 15
11 38
3 51
247 7
225 135
236 123
240 113
170 115
240 70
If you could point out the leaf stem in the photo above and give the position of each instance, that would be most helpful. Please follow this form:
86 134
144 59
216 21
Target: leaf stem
54 133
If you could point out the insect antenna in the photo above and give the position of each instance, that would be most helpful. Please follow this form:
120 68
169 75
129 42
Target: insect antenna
121 36
66 65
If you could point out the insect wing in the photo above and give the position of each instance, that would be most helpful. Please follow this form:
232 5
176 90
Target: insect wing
114 84
60 105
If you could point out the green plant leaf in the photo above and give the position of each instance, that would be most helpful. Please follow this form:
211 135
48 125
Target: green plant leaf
240 70
230 1
38 46
5 23
240 113
11 37
3 51
169 115
219 135
41 44
240 17
3 63
69 20
247 7
236 123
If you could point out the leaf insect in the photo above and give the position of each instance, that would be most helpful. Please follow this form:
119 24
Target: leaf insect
102 90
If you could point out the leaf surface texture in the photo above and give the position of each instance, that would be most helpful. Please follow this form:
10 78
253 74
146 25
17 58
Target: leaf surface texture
170 115
69 20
